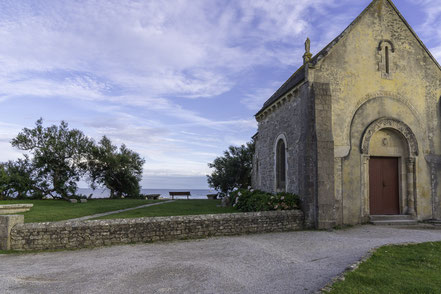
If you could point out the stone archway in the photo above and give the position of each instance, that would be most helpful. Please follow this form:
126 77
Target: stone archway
397 132
390 123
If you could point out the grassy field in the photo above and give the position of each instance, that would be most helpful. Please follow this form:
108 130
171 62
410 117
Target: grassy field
179 207
58 210
406 269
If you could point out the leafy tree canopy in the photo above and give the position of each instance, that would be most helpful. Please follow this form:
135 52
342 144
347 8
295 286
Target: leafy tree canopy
60 157
233 169
119 170
19 180
57 156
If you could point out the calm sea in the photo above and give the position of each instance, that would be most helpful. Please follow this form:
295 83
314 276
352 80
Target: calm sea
195 193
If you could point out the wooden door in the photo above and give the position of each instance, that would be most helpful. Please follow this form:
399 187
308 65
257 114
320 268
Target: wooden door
383 186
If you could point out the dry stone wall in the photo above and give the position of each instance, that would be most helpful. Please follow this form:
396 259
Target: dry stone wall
74 235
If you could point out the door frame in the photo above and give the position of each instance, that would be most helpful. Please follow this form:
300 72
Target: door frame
407 167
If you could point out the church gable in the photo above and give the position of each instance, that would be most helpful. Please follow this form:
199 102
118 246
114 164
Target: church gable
382 21
378 55
379 9
380 34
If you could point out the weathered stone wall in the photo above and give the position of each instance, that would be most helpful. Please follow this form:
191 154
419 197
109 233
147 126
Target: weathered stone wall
73 235
294 120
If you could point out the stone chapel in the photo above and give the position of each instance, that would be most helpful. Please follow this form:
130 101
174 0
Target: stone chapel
356 130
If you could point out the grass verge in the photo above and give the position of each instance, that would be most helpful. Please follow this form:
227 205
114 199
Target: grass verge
411 268
178 207
58 210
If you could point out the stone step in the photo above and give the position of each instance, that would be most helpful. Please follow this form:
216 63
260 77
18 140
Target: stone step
390 217
436 222
394 222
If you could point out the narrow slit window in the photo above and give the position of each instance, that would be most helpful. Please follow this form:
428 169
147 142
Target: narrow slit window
387 59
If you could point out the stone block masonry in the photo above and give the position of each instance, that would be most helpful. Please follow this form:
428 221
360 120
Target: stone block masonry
82 234
7 222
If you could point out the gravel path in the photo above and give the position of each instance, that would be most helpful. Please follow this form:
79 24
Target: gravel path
294 262
116 211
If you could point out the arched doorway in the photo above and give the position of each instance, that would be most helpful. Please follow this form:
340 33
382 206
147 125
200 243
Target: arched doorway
387 152
389 149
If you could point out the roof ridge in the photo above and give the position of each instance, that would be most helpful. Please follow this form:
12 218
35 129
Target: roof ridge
281 91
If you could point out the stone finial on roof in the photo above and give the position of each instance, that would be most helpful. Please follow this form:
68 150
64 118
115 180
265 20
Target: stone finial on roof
307 56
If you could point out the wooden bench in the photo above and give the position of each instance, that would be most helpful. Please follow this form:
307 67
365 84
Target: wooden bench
152 196
173 194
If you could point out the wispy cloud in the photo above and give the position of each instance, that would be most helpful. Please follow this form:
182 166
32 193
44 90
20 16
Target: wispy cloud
255 100
177 80
429 29
154 48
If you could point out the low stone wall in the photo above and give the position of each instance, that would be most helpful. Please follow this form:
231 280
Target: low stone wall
73 235
7 222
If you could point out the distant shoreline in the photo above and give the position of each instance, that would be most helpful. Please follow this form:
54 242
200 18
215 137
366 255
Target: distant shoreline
195 193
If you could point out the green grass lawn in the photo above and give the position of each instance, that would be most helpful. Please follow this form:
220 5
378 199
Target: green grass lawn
403 269
58 210
179 207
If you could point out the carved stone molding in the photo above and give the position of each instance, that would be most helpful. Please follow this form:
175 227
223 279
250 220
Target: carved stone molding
380 45
397 97
390 123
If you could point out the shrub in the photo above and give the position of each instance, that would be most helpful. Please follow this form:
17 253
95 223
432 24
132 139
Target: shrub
255 200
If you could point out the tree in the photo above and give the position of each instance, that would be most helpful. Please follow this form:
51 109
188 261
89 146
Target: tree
19 180
120 171
233 170
57 156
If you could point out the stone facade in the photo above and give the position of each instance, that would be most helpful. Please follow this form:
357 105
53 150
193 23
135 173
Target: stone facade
289 119
73 235
372 92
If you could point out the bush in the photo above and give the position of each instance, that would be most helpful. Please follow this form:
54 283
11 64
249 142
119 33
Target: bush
255 200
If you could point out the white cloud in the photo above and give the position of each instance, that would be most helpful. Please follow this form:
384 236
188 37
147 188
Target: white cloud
429 28
255 100
8 131
141 66
437 53
156 47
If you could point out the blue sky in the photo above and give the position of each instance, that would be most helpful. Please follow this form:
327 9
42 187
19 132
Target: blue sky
178 81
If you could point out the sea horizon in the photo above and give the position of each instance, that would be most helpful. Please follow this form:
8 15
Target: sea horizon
164 192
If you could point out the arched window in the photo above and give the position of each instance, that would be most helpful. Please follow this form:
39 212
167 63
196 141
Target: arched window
386 49
281 166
